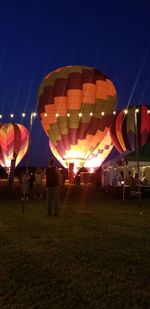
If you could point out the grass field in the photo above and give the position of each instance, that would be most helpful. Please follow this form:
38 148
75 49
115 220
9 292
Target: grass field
96 254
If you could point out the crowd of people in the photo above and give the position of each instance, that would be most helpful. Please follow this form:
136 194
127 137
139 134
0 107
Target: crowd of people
132 181
31 186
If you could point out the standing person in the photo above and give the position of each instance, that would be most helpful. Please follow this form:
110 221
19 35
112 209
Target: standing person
52 186
25 185
38 176
129 179
130 182
144 180
136 180
98 179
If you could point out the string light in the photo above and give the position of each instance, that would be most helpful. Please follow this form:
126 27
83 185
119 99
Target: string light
34 114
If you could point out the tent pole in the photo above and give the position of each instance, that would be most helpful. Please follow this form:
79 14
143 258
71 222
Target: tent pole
30 128
124 177
138 166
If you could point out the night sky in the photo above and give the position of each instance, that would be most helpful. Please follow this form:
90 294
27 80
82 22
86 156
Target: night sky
38 36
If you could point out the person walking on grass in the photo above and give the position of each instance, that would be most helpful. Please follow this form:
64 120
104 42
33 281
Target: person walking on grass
52 189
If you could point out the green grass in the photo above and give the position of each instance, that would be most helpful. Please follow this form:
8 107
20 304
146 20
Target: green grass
96 254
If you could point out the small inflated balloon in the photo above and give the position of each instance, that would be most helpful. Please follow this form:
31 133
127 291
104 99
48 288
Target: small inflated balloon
14 142
126 122
76 105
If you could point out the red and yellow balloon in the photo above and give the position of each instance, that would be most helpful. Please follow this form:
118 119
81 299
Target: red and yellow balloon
125 127
14 142
76 105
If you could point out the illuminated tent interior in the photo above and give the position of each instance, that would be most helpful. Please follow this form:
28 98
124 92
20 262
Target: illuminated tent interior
115 165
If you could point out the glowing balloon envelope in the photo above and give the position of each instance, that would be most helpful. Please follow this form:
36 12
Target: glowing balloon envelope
76 105
14 142
123 128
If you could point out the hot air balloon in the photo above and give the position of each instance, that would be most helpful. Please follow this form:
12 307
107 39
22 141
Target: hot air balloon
76 105
126 122
14 142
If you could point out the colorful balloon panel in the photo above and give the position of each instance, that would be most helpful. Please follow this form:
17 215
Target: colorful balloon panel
70 104
57 155
100 153
123 128
14 142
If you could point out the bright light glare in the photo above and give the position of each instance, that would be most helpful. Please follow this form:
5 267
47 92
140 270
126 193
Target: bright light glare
75 170
91 170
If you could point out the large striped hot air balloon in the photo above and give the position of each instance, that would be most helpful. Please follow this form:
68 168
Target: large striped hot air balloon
76 105
123 129
14 142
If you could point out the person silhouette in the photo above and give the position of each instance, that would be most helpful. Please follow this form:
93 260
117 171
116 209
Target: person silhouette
52 189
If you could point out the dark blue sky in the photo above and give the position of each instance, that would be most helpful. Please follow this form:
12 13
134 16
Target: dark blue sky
37 36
